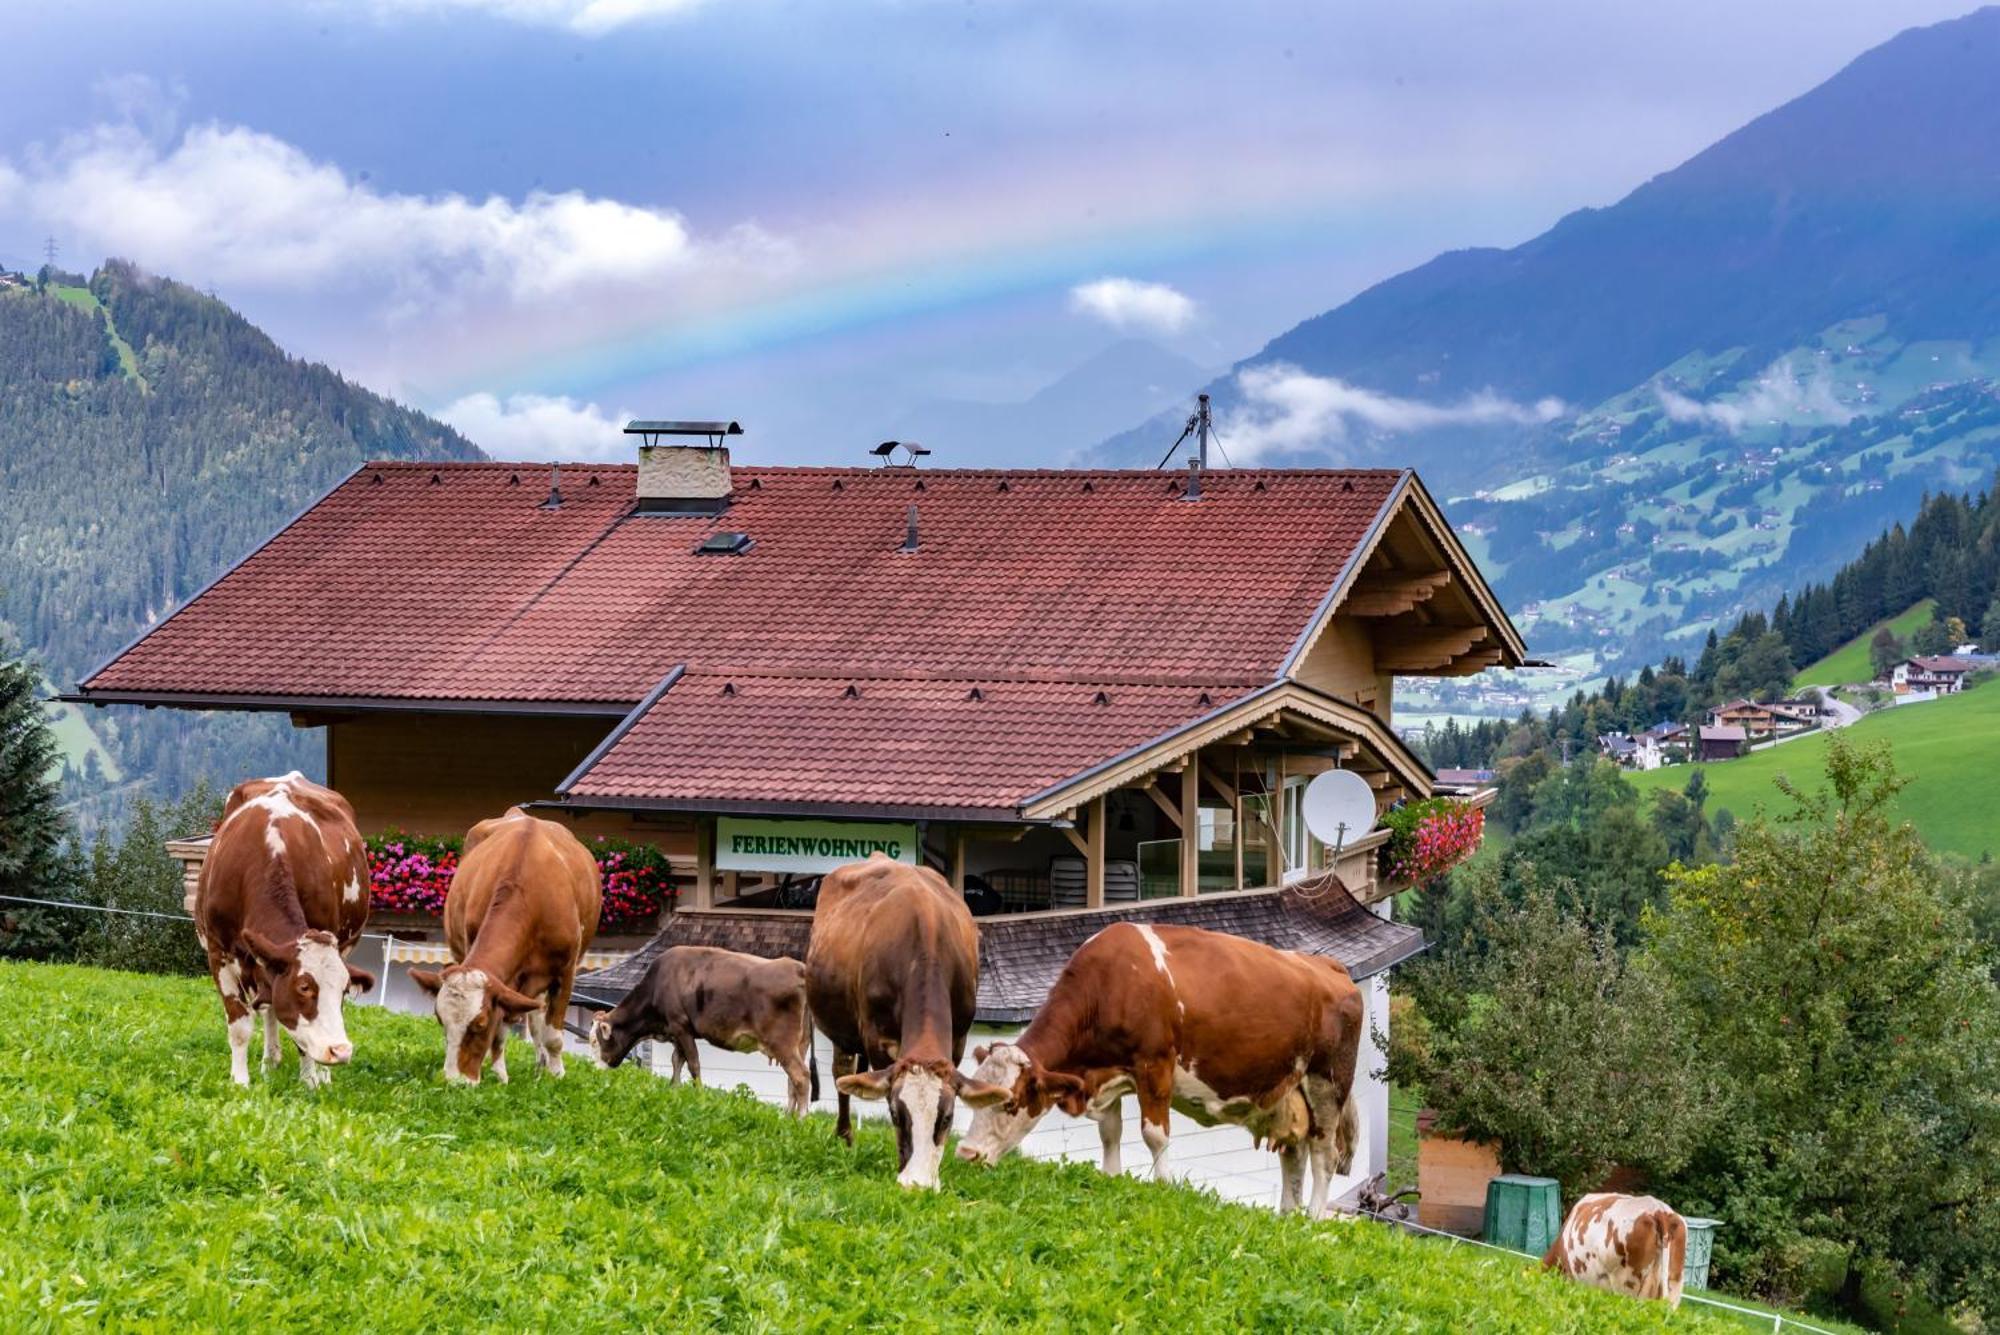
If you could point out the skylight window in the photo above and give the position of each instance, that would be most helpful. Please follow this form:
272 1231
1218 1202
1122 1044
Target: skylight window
724 544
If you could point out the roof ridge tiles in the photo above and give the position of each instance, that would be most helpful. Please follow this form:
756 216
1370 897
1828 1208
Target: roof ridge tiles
1207 682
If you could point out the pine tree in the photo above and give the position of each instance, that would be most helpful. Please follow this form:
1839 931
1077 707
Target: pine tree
32 825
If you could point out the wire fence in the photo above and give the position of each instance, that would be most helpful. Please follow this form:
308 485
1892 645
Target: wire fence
1778 1321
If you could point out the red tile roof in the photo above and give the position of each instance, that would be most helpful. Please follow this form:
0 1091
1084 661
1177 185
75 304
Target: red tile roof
425 582
825 742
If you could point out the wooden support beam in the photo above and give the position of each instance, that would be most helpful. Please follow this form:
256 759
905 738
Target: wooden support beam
1093 857
1075 839
1392 595
703 896
1190 823
1164 803
957 837
1220 784
1237 829
1241 737
1425 649
1469 662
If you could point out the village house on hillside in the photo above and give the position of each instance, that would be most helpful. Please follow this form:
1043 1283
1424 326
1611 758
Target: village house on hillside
1081 695
1937 674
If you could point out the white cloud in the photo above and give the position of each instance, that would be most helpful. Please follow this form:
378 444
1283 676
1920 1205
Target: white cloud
227 204
1128 305
538 426
589 17
1779 395
1285 408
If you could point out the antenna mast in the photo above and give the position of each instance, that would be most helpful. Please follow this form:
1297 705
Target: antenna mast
1200 427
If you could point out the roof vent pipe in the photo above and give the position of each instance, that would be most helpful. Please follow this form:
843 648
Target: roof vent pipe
910 530
554 501
1193 492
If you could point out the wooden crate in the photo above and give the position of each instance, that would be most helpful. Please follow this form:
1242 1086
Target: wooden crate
1452 1175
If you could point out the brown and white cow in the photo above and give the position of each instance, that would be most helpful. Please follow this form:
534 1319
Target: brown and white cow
1635 1245
521 911
282 898
1224 1029
891 973
742 1002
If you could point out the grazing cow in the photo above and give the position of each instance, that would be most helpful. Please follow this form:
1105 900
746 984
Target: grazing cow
891 973
743 1002
1224 1029
1634 1245
282 898
521 911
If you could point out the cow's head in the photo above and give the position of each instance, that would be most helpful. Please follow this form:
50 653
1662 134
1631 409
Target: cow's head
305 981
921 1098
611 1040
472 1006
1032 1089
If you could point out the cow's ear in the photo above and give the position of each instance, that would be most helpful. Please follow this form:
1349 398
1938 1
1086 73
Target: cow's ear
359 981
870 1085
272 954
511 1003
981 1053
980 1094
428 979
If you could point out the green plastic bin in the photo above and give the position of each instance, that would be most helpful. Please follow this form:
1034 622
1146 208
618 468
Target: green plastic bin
1524 1213
1701 1246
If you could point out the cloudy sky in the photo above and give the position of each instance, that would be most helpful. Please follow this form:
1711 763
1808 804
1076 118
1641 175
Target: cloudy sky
536 217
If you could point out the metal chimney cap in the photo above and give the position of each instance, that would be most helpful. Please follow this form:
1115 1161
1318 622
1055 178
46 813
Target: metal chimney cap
645 428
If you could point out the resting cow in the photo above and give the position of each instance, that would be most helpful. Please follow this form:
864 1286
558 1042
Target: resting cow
891 974
1634 1245
742 1002
521 911
282 898
1224 1029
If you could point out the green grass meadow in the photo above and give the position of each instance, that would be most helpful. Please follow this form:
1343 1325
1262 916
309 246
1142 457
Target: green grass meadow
1849 663
1941 746
140 1190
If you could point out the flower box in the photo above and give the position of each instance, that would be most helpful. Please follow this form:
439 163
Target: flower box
1429 838
410 877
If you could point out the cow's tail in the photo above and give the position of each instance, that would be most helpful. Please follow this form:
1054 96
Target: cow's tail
1347 1132
812 1053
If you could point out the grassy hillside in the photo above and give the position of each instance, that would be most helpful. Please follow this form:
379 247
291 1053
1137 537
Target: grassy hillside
1941 746
156 1193
1849 663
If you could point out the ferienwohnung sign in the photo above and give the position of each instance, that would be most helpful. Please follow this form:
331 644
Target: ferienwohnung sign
808 846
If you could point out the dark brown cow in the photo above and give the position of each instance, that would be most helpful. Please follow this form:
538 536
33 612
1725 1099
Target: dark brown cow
742 1002
1634 1245
283 896
1224 1029
891 974
521 911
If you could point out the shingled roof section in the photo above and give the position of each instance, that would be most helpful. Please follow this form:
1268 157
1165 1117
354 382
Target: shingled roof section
456 583
1020 958
945 746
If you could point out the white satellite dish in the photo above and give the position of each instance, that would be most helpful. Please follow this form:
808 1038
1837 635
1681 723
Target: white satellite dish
1338 806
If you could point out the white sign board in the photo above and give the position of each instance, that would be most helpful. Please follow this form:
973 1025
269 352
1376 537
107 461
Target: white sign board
746 843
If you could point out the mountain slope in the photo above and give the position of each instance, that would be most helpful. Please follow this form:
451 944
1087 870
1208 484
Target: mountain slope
1874 194
150 436
1782 342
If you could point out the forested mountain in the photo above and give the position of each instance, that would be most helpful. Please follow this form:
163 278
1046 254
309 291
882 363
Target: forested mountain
1782 342
150 436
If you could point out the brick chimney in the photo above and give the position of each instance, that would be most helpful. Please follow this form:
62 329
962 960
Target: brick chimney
682 477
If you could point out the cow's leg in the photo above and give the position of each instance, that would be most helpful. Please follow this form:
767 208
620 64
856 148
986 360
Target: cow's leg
1156 1103
843 1064
241 1023
272 1052
550 1040
1110 1132
686 1053
1331 1142
796 1099
311 1074
498 1052
1292 1168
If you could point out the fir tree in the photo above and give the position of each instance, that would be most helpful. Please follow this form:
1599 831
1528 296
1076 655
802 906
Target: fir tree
32 826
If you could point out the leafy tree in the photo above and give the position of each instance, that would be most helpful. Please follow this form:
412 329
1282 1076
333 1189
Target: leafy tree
1833 973
1884 652
1586 825
1540 1037
32 826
